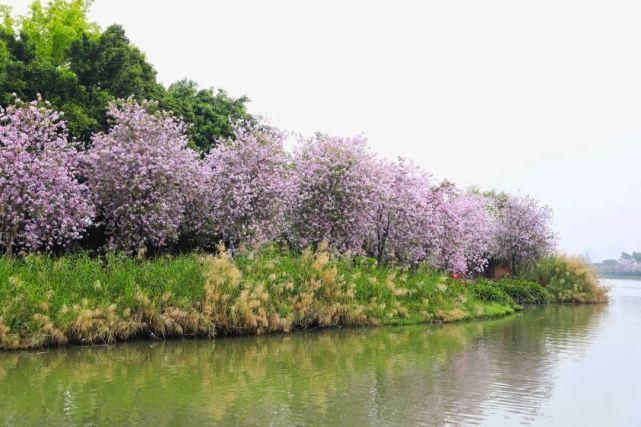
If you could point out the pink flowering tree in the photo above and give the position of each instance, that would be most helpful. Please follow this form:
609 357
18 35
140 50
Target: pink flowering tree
462 239
523 233
332 193
142 176
401 212
42 204
246 187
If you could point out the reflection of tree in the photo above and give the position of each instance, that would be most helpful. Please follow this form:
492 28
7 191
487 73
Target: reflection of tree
386 375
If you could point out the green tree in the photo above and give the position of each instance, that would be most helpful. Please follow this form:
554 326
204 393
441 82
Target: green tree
211 115
110 67
55 51
51 31
115 65
36 58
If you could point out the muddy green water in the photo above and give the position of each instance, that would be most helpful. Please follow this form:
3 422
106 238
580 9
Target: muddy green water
562 365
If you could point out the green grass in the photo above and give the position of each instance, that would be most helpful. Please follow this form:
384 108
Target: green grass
80 299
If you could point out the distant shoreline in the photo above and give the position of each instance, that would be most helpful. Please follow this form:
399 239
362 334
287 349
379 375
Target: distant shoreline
624 276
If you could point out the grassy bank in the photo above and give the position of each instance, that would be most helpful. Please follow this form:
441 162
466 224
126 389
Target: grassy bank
83 300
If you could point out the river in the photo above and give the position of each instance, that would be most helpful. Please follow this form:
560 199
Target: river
556 365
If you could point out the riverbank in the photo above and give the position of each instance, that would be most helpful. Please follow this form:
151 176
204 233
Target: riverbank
78 299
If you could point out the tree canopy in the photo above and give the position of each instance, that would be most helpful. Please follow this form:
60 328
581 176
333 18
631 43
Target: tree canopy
211 115
57 52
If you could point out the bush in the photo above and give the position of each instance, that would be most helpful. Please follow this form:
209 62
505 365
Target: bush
569 279
490 292
525 292
512 291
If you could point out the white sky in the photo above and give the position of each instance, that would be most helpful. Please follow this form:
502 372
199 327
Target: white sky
537 97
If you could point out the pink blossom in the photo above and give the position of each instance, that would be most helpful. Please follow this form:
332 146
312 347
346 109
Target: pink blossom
246 187
142 177
42 204
401 215
523 233
464 231
332 193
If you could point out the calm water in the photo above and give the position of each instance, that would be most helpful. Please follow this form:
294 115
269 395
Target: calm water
557 365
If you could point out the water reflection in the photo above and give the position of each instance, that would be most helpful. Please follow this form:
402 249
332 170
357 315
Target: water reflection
502 371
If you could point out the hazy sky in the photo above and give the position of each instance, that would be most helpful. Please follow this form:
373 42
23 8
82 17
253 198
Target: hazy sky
537 97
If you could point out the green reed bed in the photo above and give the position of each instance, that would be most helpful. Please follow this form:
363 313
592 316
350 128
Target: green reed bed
79 299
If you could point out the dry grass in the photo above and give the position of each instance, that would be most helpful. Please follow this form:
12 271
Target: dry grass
570 279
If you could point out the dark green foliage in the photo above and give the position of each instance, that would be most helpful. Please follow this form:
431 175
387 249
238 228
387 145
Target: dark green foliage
56 52
511 291
36 59
106 68
114 65
210 115
525 292
491 292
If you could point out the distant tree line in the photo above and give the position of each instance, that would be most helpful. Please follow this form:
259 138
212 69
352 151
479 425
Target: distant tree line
627 264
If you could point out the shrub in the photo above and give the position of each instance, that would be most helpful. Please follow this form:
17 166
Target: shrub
42 204
490 292
525 292
142 177
570 279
